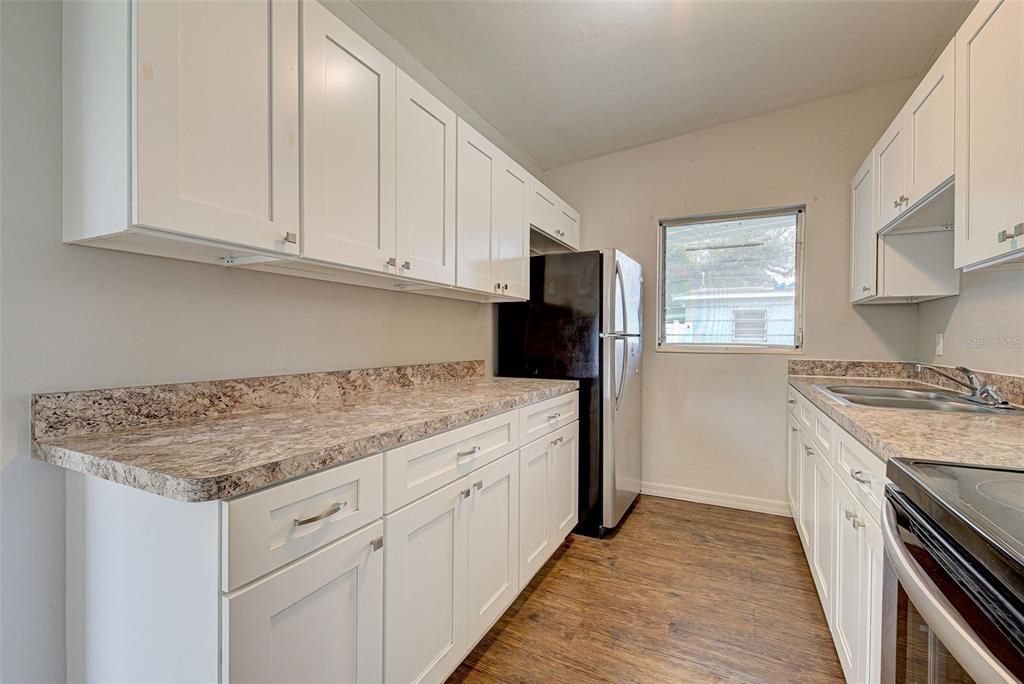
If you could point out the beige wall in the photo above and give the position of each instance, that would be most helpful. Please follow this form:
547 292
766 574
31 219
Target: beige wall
983 328
75 317
714 423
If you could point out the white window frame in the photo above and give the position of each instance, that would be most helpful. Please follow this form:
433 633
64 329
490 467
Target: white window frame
798 304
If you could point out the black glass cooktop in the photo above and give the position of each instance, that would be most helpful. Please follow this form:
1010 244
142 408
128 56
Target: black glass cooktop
981 508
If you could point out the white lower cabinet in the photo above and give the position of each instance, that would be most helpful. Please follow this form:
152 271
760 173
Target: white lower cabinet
425 586
319 620
549 497
322 578
837 510
492 580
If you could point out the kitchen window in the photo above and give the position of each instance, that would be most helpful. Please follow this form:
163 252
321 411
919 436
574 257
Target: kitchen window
732 282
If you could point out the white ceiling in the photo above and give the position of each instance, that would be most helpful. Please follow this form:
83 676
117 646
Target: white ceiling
572 79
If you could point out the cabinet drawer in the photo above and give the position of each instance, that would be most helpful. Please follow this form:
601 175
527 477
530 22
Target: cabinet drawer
267 529
792 400
537 420
862 472
420 468
824 432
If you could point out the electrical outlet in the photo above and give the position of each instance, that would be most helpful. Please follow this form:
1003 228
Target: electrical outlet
938 344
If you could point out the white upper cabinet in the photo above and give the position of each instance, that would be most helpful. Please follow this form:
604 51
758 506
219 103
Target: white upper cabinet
551 216
929 130
425 215
864 240
890 169
990 134
182 121
348 145
477 161
568 225
511 235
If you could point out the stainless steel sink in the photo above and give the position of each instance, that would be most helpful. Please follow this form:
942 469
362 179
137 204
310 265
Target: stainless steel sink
902 398
893 392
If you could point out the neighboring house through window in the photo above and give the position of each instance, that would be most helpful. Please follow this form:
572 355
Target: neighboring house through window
732 282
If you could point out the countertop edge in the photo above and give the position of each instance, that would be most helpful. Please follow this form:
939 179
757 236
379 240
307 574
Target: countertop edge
876 446
230 485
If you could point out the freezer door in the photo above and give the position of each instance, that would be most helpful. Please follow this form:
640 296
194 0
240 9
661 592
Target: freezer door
622 294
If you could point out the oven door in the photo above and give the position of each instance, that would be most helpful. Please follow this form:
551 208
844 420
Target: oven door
932 629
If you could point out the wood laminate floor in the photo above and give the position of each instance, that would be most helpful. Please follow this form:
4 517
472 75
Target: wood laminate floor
682 592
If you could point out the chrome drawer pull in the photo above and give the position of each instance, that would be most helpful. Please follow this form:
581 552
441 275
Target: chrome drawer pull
848 514
791 401
479 484
554 416
809 450
463 457
556 442
376 544
466 493
334 508
857 523
856 475
291 238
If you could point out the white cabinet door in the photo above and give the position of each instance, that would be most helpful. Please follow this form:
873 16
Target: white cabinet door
511 232
425 216
568 225
475 171
929 129
425 586
823 533
864 238
564 483
872 567
348 145
218 121
542 208
535 542
848 605
793 464
989 132
805 523
493 544
319 620
890 168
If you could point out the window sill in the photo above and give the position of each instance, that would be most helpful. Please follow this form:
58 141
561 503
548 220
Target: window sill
708 349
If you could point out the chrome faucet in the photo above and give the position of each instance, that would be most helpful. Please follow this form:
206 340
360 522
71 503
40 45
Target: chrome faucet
981 393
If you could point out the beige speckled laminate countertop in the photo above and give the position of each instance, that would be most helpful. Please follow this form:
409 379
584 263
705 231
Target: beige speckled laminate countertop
957 437
209 458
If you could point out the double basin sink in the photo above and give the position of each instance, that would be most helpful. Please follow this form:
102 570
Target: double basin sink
920 399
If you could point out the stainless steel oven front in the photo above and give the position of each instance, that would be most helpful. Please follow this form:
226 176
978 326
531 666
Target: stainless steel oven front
940 622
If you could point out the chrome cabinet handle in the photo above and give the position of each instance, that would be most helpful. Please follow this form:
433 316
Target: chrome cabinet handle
791 401
479 484
857 522
466 493
1005 235
556 442
795 429
895 204
554 416
865 288
291 238
809 450
465 456
331 510
848 514
904 199
406 266
376 544
857 477
390 263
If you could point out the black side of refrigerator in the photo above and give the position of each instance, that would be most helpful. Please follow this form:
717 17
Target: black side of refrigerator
557 335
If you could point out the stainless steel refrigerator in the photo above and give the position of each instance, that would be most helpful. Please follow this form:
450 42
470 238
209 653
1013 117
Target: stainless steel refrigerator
584 322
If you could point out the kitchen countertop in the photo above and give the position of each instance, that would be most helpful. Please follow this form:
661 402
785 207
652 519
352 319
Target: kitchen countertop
211 458
979 439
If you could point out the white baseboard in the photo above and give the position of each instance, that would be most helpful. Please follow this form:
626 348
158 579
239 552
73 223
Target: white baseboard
746 503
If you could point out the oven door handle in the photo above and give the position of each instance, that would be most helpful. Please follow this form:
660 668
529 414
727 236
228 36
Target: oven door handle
940 615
